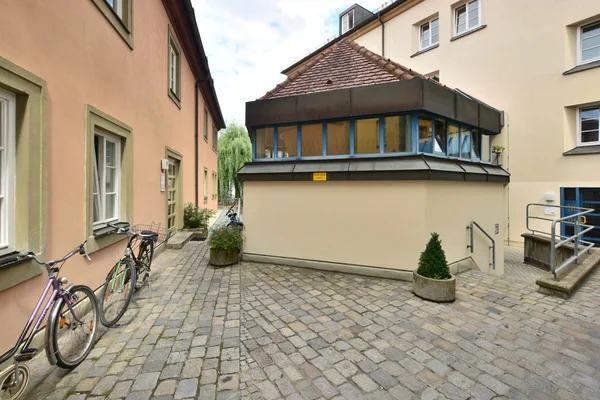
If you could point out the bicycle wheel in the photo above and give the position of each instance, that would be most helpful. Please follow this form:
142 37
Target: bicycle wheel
117 292
145 257
72 328
12 385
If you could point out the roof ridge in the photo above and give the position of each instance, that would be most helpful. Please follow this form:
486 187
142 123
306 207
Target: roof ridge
301 71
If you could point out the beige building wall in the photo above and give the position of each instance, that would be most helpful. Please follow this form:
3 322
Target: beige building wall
383 224
515 64
84 61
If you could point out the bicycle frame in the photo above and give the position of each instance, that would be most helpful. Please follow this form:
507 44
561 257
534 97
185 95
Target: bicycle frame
57 291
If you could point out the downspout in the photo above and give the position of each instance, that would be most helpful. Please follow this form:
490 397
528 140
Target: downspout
382 35
196 88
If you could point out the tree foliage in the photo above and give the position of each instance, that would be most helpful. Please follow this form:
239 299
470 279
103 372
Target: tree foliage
432 263
235 150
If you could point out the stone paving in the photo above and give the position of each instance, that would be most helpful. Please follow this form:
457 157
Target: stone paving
257 331
514 268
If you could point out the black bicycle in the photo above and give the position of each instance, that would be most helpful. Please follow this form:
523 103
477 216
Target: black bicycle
130 273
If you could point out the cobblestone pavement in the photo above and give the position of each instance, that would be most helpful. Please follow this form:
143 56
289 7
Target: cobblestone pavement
515 268
261 331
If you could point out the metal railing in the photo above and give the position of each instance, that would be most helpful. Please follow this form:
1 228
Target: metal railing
472 246
576 238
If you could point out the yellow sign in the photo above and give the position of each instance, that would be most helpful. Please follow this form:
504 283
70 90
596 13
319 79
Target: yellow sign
319 176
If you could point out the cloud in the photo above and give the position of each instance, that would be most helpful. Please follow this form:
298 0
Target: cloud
249 42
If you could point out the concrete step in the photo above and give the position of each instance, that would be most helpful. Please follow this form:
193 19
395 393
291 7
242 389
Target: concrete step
178 240
571 277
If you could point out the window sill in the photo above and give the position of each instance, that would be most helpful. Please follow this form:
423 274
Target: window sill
206 139
103 237
462 35
14 270
125 31
435 46
175 99
583 150
205 199
583 67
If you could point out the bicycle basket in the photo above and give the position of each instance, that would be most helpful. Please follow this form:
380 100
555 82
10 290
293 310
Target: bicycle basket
152 231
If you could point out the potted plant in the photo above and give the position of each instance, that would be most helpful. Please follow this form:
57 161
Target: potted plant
497 150
225 245
432 280
195 219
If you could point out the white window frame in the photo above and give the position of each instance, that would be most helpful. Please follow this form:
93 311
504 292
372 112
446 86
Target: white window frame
117 6
578 121
173 56
431 44
8 179
466 5
101 183
580 60
346 19
205 184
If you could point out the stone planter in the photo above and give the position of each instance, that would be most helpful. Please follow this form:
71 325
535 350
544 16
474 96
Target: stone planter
223 258
440 291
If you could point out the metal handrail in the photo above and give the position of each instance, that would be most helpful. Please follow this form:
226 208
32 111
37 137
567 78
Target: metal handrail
572 219
493 246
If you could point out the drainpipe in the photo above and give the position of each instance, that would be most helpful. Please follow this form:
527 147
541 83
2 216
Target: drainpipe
382 35
196 88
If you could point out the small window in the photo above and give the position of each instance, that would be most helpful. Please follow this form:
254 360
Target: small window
215 139
440 136
214 184
119 13
425 135
476 141
7 170
589 121
338 138
466 144
287 141
205 125
486 148
174 69
312 140
107 177
467 17
264 143
347 21
205 185
367 136
453 141
589 43
430 34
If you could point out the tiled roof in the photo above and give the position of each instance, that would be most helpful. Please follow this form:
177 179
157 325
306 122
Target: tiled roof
343 65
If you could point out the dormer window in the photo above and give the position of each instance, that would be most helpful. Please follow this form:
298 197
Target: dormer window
347 21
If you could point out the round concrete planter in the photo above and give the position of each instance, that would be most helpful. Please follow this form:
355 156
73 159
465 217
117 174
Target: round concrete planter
223 258
437 290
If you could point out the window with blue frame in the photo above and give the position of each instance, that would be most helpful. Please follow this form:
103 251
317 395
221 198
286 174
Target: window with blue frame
585 198
370 136
397 138
338 138
287 141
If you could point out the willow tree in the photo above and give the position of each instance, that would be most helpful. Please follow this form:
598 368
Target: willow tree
235 150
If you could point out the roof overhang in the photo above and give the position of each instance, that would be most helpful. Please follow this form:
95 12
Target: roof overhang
411 95
418 167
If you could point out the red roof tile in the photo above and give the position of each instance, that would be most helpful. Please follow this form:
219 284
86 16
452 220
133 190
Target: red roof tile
343 65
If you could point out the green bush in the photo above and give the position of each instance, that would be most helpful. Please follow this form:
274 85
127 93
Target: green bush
432 263
196 217
224 238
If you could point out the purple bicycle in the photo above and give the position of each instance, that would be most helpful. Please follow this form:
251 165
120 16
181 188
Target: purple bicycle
70 332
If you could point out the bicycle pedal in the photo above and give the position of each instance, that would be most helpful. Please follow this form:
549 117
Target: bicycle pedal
26 355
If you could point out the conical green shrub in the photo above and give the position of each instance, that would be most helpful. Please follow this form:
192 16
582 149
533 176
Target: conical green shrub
432 263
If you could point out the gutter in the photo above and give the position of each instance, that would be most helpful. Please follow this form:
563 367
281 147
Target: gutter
382 35
192 20
196 88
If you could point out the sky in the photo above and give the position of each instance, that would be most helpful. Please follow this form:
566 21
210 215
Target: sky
249 42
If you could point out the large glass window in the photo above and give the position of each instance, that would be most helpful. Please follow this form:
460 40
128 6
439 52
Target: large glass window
453 140
430 34
264 142
476 141
338 138
466 145
425 134
589 43
107 173
312 140
7 169
440 136
486 150
589 124
367 136
467 17
397 134
287 142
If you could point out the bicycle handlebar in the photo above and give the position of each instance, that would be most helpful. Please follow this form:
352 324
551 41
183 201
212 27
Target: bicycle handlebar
79 249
